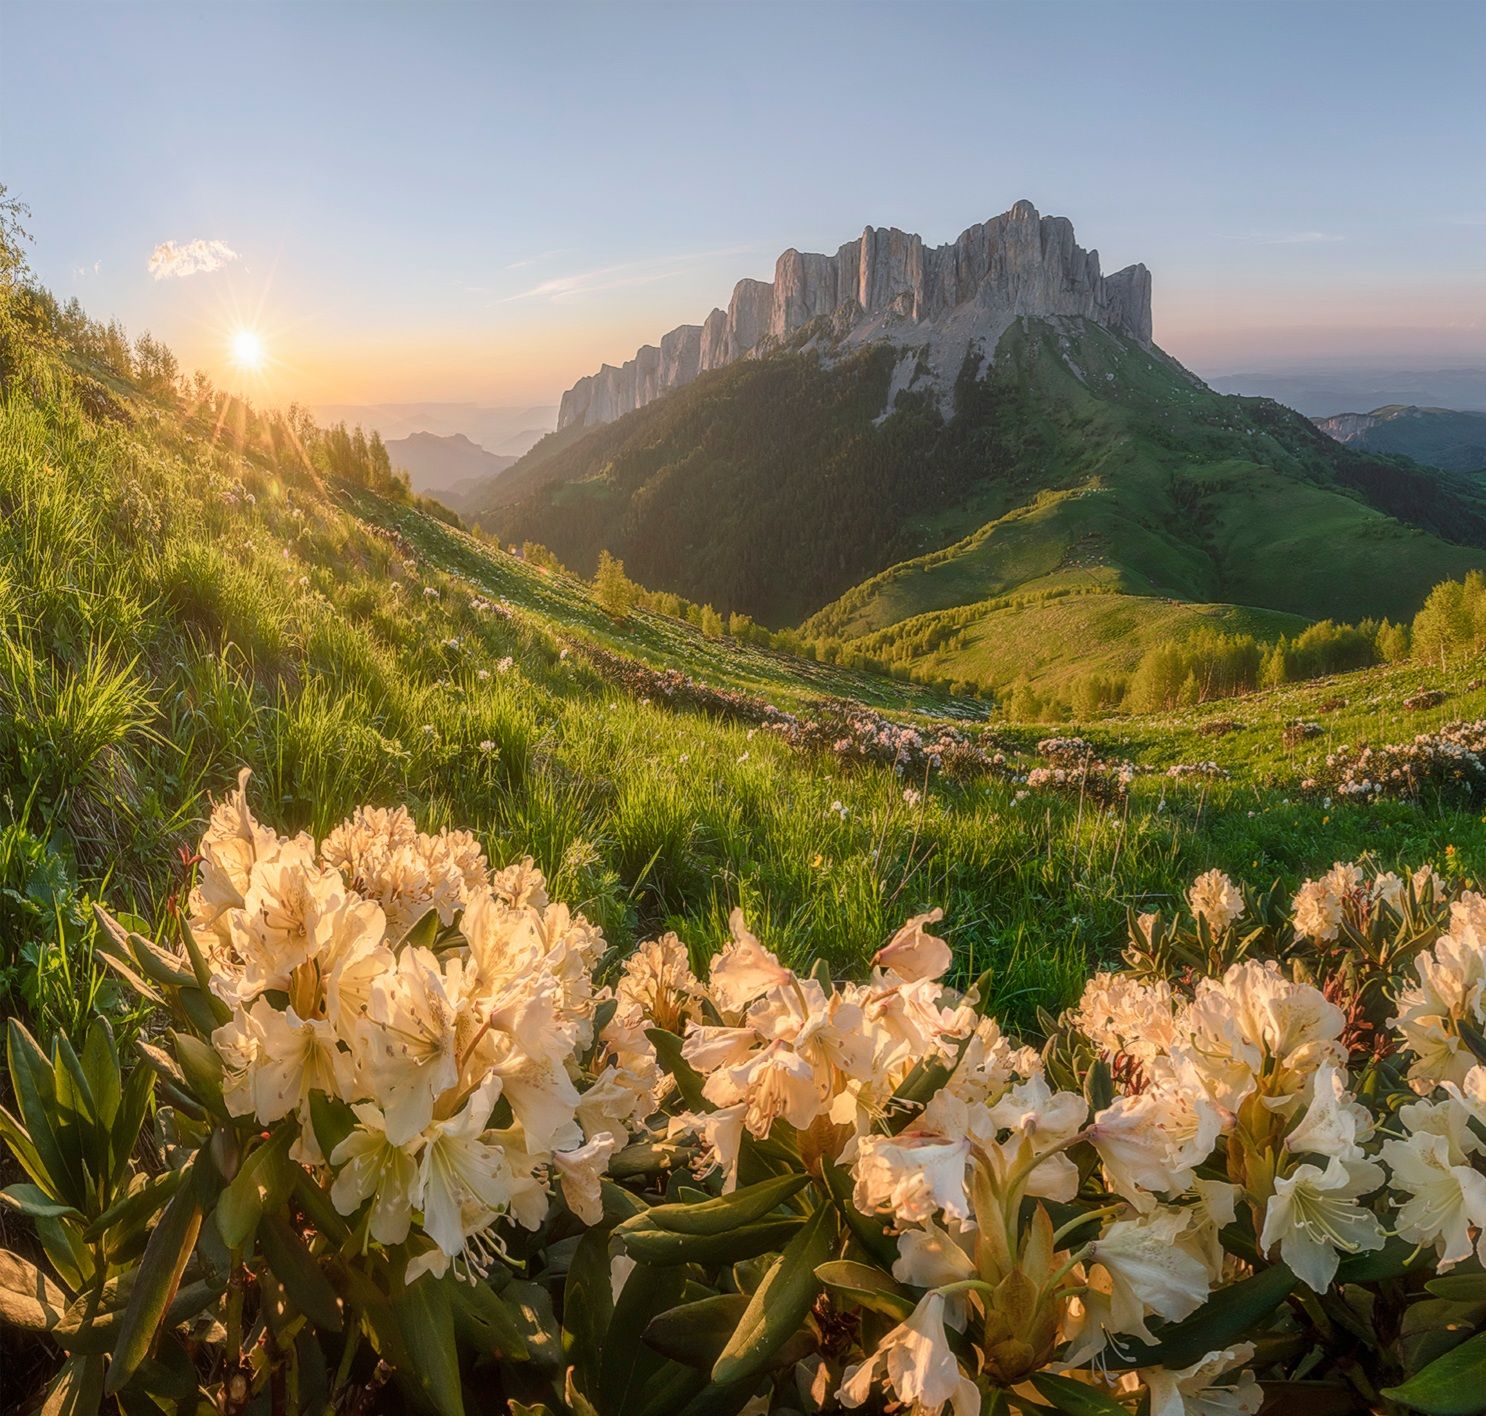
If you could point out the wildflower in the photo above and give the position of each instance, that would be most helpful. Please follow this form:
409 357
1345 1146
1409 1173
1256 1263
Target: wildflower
1138 1268
921 1369
370 1166
487 745
579 1173
913 953
1216 899
1446 1195
911 796
1195 1390
1314 1217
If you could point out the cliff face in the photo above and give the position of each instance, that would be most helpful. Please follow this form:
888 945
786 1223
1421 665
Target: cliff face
888 286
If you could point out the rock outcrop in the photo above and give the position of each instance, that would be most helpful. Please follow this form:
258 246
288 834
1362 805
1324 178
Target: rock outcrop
888 286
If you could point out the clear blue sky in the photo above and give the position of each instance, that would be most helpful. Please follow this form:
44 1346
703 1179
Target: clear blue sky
474 201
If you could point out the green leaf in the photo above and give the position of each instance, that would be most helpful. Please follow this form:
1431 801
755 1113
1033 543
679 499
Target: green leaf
661 1248
78 1390
483 1317
1395 1259
203 1069
867 1286
587 1307
134 1105
155 1284
1452 1385
294 1267
1459 1287
28 1298
696 1333
129 1212
688 1081
91 1329
36 1094
1229 1315
262 1183
1075 1398
34 1201
425 1319
725 1213
629 1369
779 1304
332 1119
101 1064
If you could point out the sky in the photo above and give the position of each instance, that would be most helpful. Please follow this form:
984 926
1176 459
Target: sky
484 202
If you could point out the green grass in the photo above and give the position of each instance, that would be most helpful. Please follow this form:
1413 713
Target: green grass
171 610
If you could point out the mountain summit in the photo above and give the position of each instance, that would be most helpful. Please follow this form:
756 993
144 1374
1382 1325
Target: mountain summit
934 303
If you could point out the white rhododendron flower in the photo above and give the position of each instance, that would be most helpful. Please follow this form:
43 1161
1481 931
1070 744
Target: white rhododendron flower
1209 1387
1215 899
921 1370
1315 1218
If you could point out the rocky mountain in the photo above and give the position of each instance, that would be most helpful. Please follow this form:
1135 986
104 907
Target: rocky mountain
1448 438
451 468
981 462
933 303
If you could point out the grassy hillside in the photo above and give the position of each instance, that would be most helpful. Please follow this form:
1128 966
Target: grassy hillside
174 607
1079 464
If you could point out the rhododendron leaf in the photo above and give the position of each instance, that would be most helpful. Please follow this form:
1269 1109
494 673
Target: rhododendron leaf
480 1310
261 1183
688 1082
131 1212
694 1333
159 966
28 1298
1452 1385
1472 1037
78 1389
628 1367
1075 1398
727 1212
35 1085
295 1268
778 1307
203 1071
587 1306
155 1284
1459 1287
868 1286
1228 1316
423 931
1395 1259
1099 1086
200 1010
34 1201
663 1248
424 1312
332 1119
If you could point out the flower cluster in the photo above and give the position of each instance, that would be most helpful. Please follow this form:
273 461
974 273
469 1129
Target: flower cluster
1074 767
444 1004
1280 1093
1451 761
846 731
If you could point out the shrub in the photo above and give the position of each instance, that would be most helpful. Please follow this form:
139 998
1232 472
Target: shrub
413 1125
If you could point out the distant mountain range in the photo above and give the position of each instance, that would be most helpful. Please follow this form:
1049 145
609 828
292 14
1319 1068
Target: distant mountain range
505 430
451 468
1434 437
1319 393
973 459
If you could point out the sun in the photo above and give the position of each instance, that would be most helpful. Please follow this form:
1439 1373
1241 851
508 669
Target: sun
247 351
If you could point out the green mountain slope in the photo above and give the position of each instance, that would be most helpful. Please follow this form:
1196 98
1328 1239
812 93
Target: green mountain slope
1081 461
1446 438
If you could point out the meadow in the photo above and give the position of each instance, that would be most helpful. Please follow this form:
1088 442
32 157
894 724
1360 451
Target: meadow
177 606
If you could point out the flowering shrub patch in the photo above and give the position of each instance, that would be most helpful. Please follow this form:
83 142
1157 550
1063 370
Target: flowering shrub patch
1449 762
1075 768
847 731
418 1127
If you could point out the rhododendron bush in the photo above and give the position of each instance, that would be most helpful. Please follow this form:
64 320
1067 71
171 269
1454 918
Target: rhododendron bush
420 1138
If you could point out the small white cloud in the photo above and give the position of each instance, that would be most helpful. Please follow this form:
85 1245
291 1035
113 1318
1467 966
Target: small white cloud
196 257
82 272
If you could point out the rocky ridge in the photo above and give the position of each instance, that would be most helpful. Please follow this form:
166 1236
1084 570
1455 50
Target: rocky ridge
934 302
